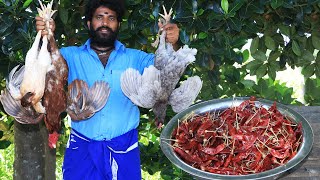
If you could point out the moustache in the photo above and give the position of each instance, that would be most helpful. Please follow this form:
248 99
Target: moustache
104 27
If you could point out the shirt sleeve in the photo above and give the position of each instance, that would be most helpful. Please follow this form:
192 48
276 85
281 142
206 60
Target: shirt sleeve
147 59
64 52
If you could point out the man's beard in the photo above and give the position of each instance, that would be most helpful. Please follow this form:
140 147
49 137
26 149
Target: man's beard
103 39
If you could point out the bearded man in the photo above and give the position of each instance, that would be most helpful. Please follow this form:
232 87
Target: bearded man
105 146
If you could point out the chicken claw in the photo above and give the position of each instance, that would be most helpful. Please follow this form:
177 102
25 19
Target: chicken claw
46 13
164 20
166 16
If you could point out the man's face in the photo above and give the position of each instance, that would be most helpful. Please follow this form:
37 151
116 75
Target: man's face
104 27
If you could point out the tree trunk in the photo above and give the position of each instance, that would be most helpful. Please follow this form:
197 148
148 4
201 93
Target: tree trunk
33 157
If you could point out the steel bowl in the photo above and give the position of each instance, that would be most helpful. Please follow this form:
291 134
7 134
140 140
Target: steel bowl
221 104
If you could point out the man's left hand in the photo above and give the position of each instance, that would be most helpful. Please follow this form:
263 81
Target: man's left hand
172 34
172 31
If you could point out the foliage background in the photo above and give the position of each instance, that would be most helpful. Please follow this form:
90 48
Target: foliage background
283 33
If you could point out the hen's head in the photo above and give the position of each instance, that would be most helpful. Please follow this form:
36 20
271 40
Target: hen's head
53 139
26 99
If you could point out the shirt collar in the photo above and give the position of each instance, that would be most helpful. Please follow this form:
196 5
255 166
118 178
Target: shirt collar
118 45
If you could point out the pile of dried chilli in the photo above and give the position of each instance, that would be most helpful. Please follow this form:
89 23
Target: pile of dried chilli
240 140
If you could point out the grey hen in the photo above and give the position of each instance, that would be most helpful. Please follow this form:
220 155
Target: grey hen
155 88
24 115
83 102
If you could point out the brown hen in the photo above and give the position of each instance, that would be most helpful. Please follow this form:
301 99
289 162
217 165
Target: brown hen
54 98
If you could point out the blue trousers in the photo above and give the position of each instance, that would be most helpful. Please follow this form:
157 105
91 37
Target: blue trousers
115 159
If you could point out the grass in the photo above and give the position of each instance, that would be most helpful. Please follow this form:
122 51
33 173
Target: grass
6 163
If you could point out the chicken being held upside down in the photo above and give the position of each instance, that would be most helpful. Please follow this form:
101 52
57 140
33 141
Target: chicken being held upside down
37 64
156 87
36 91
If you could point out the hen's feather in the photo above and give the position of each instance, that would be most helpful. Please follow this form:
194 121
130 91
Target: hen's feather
13 82
143 90
98 95
12 106
84 102
24 115
182 97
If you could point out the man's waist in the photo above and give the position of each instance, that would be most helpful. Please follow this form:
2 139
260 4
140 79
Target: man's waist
119 144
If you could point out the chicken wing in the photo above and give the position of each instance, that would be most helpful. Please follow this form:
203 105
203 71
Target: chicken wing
12 106
83 102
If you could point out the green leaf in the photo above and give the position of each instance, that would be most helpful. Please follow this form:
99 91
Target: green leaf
261 71
225 6
316 41
4 144
307 56
308 44
274 55
248 83
238 42
6 23
203 35
261 87
272 73
308 71
236 6
296 48
274 65
26 3
3 126
259 55
254 45
245 55
235 24
311 88
276 3
253 65
285 30
63 14
200 12
317 71
270 43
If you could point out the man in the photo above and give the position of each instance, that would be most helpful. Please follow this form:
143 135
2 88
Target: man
105 146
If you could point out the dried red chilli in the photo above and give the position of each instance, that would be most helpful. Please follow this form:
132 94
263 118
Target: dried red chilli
240 140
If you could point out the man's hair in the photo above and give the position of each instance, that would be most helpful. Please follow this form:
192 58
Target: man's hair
115 5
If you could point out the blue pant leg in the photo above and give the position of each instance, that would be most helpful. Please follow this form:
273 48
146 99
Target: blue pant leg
129 165
78 164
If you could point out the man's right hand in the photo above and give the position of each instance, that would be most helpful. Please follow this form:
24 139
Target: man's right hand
41 25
